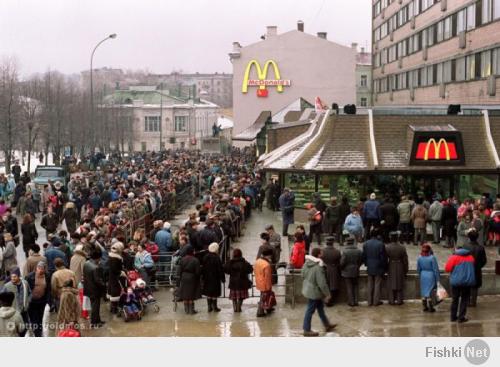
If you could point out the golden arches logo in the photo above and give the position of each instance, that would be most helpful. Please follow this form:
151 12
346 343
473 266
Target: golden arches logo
262 82
437 149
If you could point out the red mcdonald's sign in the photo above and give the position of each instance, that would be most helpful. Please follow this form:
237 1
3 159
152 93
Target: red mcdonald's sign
442 150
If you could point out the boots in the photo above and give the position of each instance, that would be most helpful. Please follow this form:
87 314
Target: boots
191 309
209 303
214 305
431 306
235 305
240 302
424 303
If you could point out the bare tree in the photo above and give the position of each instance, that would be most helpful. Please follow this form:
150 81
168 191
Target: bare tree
9 108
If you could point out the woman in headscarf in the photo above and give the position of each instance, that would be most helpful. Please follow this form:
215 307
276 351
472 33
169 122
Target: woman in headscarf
212 275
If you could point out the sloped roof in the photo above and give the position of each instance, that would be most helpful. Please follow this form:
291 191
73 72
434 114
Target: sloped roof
251 133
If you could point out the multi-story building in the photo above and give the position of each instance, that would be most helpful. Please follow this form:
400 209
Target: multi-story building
428 52
162 121
282 68
363 78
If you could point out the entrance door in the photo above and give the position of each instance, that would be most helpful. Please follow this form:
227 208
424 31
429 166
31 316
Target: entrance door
427 186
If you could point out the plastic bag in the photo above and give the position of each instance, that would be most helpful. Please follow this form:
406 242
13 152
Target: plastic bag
441 293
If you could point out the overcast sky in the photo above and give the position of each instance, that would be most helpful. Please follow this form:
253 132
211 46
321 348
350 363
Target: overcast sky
162 35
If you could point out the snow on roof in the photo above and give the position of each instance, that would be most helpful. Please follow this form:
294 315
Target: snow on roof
225 123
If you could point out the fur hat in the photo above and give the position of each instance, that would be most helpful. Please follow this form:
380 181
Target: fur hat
213 248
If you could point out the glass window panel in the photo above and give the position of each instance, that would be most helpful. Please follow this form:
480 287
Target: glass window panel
471 67
461 20
486 69
471 17
496 9
460 69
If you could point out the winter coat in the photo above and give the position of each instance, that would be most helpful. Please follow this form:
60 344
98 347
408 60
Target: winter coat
30 235
59 278
478 224
374 257
30 279
480 259
389 214
354 225
163 239
25 292
212 275
143 260
428 272
462 229
275 242
115 264
287 203
11 322
9 255
32 262
404 211
314 284
419 217
461 267
436 211
371 210
76 265
351 260
53 253
397 266
50 223
449 221
189 273
239 271
263 275
298 256
69 307
70 215
262 248
331 259
332 218
93 284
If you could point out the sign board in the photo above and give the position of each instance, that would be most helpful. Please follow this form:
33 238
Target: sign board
263 82
437 148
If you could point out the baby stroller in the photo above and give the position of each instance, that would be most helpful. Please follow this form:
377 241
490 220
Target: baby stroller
130 305
145 295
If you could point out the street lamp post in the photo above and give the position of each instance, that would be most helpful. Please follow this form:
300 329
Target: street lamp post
92 127
161 116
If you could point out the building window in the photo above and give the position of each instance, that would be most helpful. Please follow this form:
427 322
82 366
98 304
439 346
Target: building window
439 32
460 69
143 146
447 31
180 123
430 75
471 17
448 71
363 102
152 123
462 20
496 9
496 61
487 11
486 69
364 80
473 66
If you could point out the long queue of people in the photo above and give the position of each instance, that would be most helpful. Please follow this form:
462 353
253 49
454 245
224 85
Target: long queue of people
76 268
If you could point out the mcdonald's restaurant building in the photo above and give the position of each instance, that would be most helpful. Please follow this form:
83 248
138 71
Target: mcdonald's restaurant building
400 151
282 68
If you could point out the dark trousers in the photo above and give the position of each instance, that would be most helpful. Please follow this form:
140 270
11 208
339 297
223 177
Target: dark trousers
352 291
35 312
368 226
312 306
405 229
285 229
473 297
95 304
395 296
460 300
315 229
374 289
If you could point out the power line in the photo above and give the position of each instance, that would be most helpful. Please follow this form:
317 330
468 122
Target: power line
319 11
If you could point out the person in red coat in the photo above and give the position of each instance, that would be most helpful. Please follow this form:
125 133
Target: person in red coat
298 256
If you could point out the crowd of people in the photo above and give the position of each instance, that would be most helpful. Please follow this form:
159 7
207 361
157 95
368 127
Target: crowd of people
88 259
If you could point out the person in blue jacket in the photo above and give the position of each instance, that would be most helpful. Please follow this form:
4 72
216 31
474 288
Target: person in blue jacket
428 271
354 225
371 214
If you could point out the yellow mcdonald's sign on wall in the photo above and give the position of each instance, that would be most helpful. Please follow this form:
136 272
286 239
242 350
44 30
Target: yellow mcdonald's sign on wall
262 82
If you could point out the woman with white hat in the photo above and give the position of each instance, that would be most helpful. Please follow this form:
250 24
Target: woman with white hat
213 275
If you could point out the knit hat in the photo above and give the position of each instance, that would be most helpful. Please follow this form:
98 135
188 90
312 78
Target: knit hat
213 248
16 271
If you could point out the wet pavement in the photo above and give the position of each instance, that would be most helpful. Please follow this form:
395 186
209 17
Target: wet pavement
363 321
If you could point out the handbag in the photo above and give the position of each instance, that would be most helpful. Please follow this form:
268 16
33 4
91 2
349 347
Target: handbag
269 300
441 293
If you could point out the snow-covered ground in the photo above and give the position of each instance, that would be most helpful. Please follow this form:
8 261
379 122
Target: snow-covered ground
24 165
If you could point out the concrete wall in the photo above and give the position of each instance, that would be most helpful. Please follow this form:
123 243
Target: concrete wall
315 66
491 286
